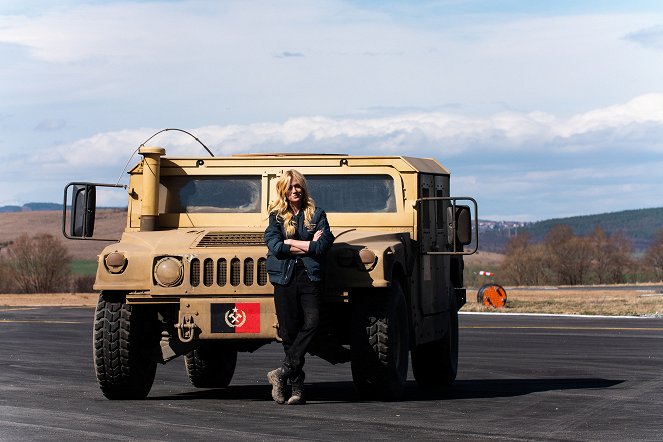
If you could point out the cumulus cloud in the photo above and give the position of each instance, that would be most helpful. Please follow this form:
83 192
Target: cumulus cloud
506 160
449 134
533 160
639 111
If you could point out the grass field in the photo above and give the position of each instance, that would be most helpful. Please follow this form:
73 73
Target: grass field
646 300
83 267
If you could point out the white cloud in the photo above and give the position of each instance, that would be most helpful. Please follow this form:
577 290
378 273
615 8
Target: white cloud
640 110
521 158
405 134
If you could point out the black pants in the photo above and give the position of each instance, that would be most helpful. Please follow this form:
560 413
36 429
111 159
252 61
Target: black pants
298 311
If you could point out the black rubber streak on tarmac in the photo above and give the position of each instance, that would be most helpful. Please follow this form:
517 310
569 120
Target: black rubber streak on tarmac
521 378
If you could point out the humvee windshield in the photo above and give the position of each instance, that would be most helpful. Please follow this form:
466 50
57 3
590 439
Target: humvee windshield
242 194
216 194
353 193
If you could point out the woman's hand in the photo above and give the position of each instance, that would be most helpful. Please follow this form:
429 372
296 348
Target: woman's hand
317 235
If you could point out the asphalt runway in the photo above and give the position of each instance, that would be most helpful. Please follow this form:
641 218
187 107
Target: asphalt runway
520 378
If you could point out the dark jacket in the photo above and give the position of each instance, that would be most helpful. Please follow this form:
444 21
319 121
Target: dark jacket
280 264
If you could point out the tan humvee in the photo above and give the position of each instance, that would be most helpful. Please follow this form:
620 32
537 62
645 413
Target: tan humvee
188 277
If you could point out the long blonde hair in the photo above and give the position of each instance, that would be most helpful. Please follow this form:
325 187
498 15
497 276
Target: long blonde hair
281 206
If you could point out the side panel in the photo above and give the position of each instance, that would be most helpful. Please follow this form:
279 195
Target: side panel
433 269
432 293
443 286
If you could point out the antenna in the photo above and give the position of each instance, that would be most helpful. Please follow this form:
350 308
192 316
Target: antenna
154 135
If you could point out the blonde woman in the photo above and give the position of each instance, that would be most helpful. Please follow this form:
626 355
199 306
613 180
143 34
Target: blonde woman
297 238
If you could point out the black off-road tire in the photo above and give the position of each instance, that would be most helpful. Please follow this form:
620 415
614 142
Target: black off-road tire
435 364
212 365
126 338
380 343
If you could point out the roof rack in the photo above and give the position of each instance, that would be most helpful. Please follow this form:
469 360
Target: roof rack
290 154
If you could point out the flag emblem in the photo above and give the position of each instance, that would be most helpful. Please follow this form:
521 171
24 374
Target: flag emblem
240 317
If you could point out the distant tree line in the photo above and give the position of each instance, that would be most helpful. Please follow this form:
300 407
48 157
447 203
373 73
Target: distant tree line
38 264
639 226
41 263
564 258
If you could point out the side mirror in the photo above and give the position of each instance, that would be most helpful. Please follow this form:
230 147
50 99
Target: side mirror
463 222
80 221
462 228
83 205
460 225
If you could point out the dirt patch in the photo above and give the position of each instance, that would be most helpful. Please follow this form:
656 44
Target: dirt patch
109 223
49 299
640 301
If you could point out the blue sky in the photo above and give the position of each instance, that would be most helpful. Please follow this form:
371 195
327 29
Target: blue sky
539 109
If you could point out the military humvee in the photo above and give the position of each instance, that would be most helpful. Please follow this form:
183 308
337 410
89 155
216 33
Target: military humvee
188 277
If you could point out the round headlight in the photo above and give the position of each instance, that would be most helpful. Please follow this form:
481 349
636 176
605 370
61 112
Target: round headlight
168 271
367 257
115 262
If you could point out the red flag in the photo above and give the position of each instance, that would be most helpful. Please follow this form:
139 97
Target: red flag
251 311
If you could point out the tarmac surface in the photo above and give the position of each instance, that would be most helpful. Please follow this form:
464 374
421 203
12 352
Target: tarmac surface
520 378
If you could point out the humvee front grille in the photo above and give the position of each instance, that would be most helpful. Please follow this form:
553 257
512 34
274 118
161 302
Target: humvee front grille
222 274
227 239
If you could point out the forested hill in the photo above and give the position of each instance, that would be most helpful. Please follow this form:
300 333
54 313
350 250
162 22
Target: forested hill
637 225
31 207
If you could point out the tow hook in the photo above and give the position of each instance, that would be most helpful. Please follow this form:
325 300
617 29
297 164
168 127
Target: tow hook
186 329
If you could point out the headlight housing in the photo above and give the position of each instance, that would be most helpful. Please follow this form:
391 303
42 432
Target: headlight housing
115 262
368 258
168 271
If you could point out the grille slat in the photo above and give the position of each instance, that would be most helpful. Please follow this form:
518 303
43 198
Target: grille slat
227 239
248 271
235 269
195 272
222 272
208 272
262 271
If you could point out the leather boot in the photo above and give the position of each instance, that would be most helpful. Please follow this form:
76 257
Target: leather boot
297 397
278 380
